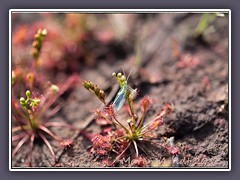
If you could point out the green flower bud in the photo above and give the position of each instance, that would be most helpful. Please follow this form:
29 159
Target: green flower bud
114 74
28 94
22 100
119 75
55 88
37 101
123 79
44 32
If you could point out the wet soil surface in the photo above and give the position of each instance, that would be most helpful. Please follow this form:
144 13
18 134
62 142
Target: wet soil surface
198 88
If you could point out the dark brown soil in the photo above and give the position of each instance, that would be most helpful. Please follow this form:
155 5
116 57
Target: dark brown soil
199 124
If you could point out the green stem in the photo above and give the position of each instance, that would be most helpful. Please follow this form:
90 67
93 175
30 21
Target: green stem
141 121
121 125
130 103
31 121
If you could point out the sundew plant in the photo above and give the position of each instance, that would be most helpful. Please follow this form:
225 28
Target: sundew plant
129 133
31 113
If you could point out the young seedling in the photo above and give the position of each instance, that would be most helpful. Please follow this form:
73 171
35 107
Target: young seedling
32 112
121 137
